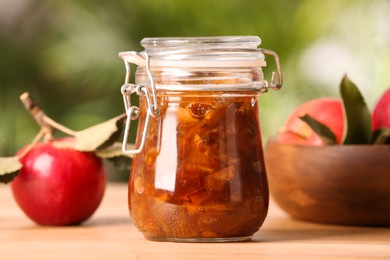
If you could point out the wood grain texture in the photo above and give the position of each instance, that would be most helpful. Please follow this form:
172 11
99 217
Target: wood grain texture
109 234
348 184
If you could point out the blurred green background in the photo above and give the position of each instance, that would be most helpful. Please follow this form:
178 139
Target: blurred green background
65 53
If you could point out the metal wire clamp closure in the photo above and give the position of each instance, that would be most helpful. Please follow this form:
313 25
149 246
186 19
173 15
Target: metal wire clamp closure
272 84
132 112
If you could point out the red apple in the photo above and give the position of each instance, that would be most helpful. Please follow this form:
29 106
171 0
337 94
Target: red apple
58 185
328 111
381 113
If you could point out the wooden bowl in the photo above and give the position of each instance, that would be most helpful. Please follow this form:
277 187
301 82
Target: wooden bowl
347 185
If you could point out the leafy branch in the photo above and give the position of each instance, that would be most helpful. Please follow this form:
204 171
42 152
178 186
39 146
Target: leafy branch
357 118
100 139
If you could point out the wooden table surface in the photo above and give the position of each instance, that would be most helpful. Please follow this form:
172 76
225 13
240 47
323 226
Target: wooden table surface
109 234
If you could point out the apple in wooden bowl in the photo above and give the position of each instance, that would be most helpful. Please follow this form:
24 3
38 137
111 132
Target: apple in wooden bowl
335 180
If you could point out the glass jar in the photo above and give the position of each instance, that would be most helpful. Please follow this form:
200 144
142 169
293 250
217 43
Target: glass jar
198 171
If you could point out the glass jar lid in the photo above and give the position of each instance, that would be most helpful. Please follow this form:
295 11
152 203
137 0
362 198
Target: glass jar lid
154 43
221 51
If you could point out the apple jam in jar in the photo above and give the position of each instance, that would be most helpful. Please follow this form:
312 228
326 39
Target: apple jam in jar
198 171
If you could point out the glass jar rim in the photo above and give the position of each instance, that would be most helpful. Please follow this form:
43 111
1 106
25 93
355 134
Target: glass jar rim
214 42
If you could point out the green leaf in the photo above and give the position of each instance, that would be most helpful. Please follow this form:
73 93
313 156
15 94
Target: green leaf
358 117
381 136
114 154
100 135
326 135
112 151
9 168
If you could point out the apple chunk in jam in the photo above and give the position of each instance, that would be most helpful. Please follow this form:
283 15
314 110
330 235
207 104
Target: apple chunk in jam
201 173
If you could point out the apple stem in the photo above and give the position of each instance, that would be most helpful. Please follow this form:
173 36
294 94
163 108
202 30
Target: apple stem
58 126
40 134
46 123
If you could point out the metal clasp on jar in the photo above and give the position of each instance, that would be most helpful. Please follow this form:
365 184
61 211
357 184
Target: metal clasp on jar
133 112
272 84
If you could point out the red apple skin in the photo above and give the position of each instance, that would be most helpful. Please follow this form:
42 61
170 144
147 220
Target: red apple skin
328 111
58 185
381 112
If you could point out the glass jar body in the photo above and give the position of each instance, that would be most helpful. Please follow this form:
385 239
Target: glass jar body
201 174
